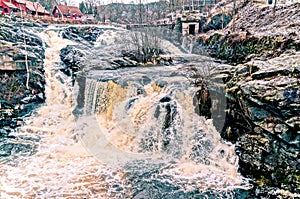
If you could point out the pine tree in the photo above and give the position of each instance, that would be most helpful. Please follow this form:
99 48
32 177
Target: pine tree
82 7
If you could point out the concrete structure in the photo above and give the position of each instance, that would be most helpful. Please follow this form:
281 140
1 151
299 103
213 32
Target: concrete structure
190 28
192 12
190 22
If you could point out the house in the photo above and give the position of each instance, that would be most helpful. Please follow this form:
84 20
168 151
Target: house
21 4
34 8
64 11
6 7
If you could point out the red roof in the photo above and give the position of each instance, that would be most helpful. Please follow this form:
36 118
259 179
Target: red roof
10 5
21 1
65 10
36 7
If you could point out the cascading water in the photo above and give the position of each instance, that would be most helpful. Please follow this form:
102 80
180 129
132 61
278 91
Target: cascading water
140 137
61 168
143 120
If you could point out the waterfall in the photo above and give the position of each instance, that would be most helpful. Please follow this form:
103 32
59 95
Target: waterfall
147 116
91 96
60 164
138 136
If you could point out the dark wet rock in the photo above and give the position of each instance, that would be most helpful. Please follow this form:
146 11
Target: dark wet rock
263 119
261 191
165 99
216 22
140 91
130 103
145 80
161 83
3 133
19 41
84 34
72 57
123 62
202 102
14 146
262 116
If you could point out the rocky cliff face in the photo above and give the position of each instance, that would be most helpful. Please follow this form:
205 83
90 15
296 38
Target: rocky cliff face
18 44
264 120
256 32
263 93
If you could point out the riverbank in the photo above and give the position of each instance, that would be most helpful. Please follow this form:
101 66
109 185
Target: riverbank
21 72
263 92
254 33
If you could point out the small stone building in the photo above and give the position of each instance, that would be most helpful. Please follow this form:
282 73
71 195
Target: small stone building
192 12
190 25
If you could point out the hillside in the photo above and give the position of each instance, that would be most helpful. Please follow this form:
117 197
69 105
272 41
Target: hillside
255 32
132 13
262 93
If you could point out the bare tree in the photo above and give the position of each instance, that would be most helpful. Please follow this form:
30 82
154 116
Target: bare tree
66 2
26 54
140 12
274 7
234 11
144 43
36 6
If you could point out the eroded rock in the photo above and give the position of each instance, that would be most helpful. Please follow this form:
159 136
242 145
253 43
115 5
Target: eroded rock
264 120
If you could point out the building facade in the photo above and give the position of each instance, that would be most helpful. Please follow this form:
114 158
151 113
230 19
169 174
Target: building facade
64 12
34 8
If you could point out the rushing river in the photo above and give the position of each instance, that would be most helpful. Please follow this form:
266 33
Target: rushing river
124 133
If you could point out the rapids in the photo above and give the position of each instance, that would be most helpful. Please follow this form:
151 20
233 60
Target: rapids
124 133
